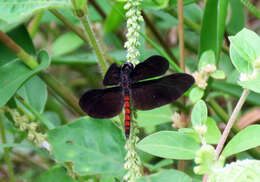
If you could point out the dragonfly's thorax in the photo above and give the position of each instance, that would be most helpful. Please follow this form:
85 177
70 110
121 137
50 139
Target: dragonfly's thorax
126 71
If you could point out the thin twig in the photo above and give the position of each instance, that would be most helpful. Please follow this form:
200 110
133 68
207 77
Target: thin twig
181 35
230 123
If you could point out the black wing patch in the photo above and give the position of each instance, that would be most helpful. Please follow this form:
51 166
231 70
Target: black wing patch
112 76
102 103
151 67
155 93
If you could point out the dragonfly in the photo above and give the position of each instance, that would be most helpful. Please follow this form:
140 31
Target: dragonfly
135 86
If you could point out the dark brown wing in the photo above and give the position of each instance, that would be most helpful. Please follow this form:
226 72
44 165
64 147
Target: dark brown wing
155 93
151 67
112 76
102 103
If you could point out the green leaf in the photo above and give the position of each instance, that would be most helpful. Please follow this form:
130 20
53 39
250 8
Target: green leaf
253 84
246 44
15 73
196 94
56 173
237 17
66 43
246 139
93 146
34 88
154 117
219 74
207 57
15 10
169 175
208 33
169 144
239 171
213 26
213 134
116 17
199 114
241 64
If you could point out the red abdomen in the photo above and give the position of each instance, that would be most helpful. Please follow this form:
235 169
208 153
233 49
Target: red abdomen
127 115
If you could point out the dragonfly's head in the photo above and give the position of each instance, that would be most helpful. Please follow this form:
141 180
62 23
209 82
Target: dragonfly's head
127 68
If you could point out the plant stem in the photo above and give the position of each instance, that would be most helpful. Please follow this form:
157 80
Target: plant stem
231 121
251 8
40 117
34 25
6 151
181 34
100 55
70 25
20 53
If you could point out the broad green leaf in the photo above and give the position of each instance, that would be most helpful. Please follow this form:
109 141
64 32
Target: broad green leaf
56 173
14 73
239 171
241 64
116 17
236 91
15 10
93 146
105 178
207 57
154 117
237 17
246 44
191 132
66 43
199 114
219 74
32 89
213 134
169 144
196 94
169 175
246 139
22 38
253 84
